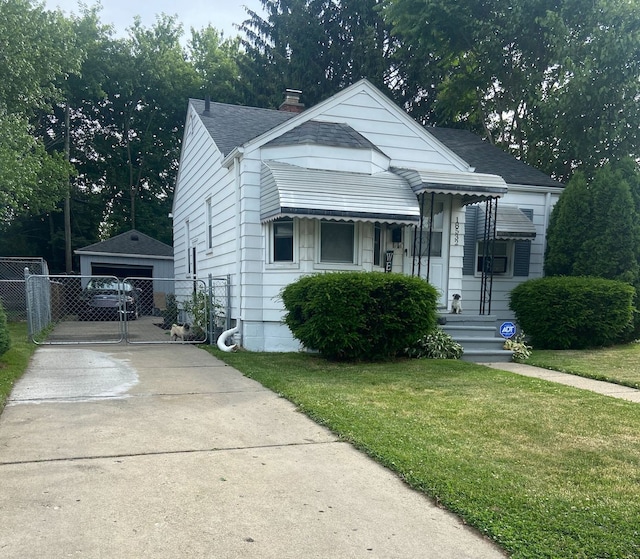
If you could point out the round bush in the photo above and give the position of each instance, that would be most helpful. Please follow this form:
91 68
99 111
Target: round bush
573 312
359 315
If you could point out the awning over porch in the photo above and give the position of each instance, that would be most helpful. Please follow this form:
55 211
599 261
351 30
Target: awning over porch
472 187
511 223
292 191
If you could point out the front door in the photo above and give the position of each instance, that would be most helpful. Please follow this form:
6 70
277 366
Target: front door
429 245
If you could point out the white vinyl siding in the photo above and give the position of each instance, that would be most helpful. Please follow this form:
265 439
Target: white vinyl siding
203 186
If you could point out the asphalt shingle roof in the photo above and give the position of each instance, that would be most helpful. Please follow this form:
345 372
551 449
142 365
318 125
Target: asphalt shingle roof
131 242
231 126
487 158
323 133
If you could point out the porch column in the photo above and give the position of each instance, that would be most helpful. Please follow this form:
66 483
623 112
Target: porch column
456 249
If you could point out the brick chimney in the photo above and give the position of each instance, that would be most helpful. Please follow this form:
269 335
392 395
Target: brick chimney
291 103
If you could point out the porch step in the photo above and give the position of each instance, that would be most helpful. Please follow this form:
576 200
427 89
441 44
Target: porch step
469 331
487 356
478 337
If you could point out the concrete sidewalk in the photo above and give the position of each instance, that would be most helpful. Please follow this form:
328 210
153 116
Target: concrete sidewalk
605 388
165 452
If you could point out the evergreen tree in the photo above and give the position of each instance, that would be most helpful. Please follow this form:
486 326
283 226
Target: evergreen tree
595 226
568 227
318 46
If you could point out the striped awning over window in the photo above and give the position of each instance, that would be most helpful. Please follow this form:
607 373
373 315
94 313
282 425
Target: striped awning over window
292 191
511 223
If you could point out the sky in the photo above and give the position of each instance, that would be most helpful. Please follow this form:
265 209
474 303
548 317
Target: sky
221 14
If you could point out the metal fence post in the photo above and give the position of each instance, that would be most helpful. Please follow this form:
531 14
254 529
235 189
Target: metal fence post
228 309
28 302
210 299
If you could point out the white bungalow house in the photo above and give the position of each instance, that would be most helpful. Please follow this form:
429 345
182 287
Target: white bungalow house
353 183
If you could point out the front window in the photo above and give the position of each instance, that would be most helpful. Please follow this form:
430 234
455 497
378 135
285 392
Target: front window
499 263
337 244
283 240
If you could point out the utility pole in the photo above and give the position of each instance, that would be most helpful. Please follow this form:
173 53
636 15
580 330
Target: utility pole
67 199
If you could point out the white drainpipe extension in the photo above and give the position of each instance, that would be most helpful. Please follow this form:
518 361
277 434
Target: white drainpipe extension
222 338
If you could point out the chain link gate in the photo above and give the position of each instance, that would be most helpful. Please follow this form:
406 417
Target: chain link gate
108 310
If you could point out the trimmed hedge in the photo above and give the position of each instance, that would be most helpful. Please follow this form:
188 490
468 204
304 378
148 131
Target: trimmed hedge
573 312
359 315
5 339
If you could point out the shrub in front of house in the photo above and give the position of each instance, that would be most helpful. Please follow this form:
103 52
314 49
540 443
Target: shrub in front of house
437 344
569 312
359 315
5 340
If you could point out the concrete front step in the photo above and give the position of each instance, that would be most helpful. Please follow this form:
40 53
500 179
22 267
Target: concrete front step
469 331
487 356
476 342
478 337
467 320
484 349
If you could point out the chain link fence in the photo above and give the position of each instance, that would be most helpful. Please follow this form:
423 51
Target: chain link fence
12 284
107 309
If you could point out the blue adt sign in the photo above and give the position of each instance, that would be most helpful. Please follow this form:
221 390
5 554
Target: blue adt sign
508 330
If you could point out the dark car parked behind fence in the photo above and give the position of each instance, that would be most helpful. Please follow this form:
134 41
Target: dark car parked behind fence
109 299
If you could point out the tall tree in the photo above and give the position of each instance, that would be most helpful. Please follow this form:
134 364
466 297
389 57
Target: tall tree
553 80
319 46
38 51
129 155
127 107
217 62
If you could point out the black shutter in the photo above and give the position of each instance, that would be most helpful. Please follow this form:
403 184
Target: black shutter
470 237
522 252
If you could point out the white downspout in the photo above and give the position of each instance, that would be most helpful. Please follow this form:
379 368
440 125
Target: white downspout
238 209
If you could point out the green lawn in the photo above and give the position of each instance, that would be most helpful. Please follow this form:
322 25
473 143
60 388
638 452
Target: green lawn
618 364
14 362
543 469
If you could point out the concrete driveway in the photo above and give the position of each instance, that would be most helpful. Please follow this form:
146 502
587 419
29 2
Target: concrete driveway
164 451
